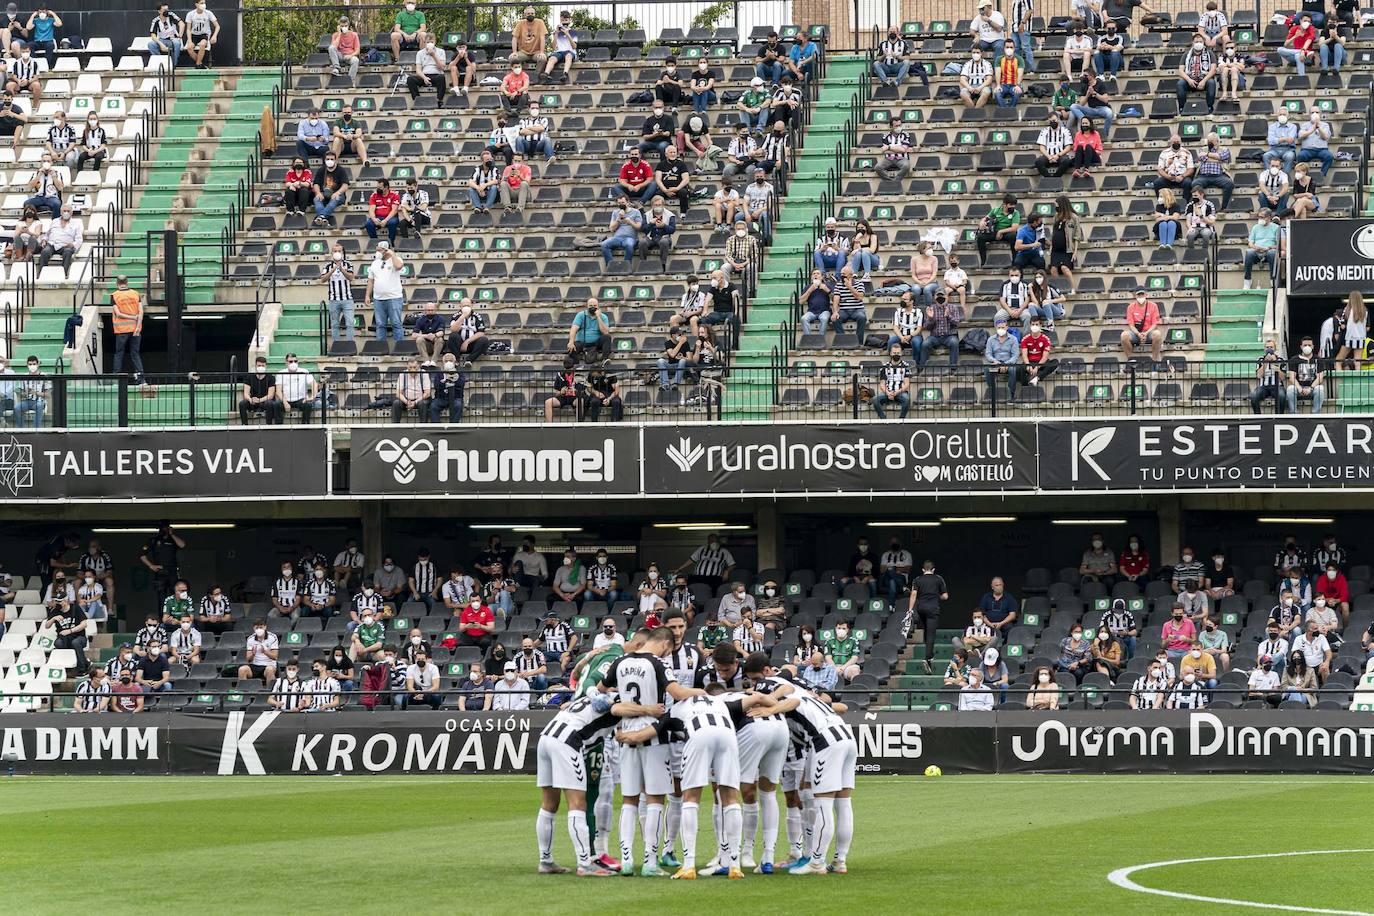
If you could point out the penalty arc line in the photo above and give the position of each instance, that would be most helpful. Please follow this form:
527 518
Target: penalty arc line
1122 878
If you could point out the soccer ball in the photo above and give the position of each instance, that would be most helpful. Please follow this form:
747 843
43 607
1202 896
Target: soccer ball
933 770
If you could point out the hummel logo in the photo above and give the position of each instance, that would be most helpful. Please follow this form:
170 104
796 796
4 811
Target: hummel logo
685 455
404 456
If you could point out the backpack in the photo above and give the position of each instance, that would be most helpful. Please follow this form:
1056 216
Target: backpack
975 341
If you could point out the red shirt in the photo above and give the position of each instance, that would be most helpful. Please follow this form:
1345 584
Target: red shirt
1335 590
635 173
471 617
304 176
384 204
1142 317
1301 39
514 84
1133 564
124 696
1037 347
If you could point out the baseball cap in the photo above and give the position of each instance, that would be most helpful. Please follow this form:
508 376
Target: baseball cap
383 244
1000 321
990 656
756 81
1140 289
983 3
510 666
830 221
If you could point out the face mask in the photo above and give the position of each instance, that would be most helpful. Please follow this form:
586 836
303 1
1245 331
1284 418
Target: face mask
1035 329
600 561
319 574
1097 544
1001 332
1008 50
367 619
1320 602
286 571
185 626
658 112
1178 616
702 66
1287 602
841 632
806 637
262 370
415 640
388 566
741 232
330 163
1189 678
977 621
1187 558
1306 350
1077 634
410 7
1044 678
567 561
1197 46
1175 145
977 56
33 368
1283 119
259 632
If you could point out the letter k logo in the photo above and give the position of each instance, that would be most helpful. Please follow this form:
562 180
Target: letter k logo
1090 444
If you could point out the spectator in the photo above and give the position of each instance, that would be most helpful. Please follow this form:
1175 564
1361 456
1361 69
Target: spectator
817 303
408 30
515 87
1213 26
848 303
47 187
1134 562
153 673
312 137
1282 138
1306 378
430 335
457 591
1331 46
1012 300
893 61
1303 195
863 249
166 30
1000 225
942 325
350 135
1264 247
344 48
260 654
529 39
993 673
1212 161
27 237
1299 682
770 59
1111 46
1332 586
321 597
502 138
955 280
742 252
741 155
1044 692
671 89
1315 649
801 59
1168 218
754 107
536 134
1020 27
299 188
259 394
775 150
1273 189
448 386
906 326
1078 50
564 49
1215 643
818 674
61 141
1001 357
591 331
13 118
297 389
1056 146
339 273
989 28
413 391
975 80
1008 77
656 135
1036 365
1200 218
896 388
383 210
1354 318
422 684
1300 47
1178 633
831 248
626 222
1197 73
1314 140
385 293
461 61
674 179
1028 249
1175 168
511 692
330 186
758 205
725 204
978 635
1044 301
1200 664
1098 563
723 299
415 212
894 162
1094 103
602 390
1143 326
923 608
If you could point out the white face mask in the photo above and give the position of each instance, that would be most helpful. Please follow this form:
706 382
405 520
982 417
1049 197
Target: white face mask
658 112
185 626
338 255
510 677
415 640
259 632
1306 350
1044 677
319 574
475 603
367 619
1197 46
286 572
567 561
1189 678
1197 653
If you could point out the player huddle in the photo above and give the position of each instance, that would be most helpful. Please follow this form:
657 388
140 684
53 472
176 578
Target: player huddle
743 727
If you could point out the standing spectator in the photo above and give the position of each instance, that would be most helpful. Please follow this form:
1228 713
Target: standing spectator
1000 225
167 31
1264 247
312 136
126 318
413 391
344 48
331 189
1354 319
1212 161
590 332
338 272
941 326
260 654
259 394
1306 377
1300 46
923 608
1066 234
564 48
1314 139
1143 327
384 292
408 30
1022 41
975 80
32 392
1197 73
350 135
515 87
383 210
529 39
297 389
896 388
1200 218
1056 146
893 63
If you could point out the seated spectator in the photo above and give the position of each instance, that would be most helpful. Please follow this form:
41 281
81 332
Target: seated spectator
1331 45
894 157
1212 161
422 684
1282 138
660 225
566 390
312 137
801 59
975 80
1044 693
863 249
63 240
1056 147
345 48
626 223
896 385
1012 301
350 135
906 326
671 88
260 655
1111 46
501 141
430 333
658 132
1078 50
775 150
167 31
1264 247
817 305
258 393
1007 78
978 635
515 89
1029 247
1300 46
741 155
1178 633
1098 563
1036 365
1302 197
1273 189
1000 225
590 333
723 301
842 650
993 672
1314 141
415 212
1001 358
955 280
383 211
61 141
636 179
1094 103
1175 168
12 121
1213 26
1200 218
849 303
299 186
1197 73
27 238
1300 681
184 645
511 691
989 28
330 186
1231 73
1200 664
47 186
297 390
705 351
1043 301
603 390
484 185
892 62
941 327
413 390
1143 326
742 253
754 106
1168 218
1215 643
1333 586
536 134
564 49
770 59
975 695
1306 378
725 204
831 249
408 30
758 205
1087 148
515 184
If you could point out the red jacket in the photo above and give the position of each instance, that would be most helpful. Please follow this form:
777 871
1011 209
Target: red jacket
634 174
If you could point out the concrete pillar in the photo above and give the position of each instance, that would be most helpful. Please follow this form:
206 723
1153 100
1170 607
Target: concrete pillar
1170 531
374 518
771 536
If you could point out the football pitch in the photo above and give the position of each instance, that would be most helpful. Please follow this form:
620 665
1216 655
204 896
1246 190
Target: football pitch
465 844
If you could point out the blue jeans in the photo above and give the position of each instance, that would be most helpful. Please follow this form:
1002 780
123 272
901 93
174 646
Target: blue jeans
770 72
1050 310
340 313
1168 231
52 204
757 123
1285 155
863 260
175 53
857 315
325 206
644 196
947 340
486 200
35 406
392 224
664 364
1102 113
542 144
1107 63
902 399
815 322
453 405
830 263
387 312
702 101
1007 95
1322 155
914 345
1295 57
618 243
1331 56
990 377
96 609
885 72
892 583
1025 48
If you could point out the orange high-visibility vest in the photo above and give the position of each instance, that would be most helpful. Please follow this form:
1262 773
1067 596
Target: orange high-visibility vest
128 315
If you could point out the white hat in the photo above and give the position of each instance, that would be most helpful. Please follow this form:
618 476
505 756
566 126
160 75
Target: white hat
756 81
830 221
990 656
510 666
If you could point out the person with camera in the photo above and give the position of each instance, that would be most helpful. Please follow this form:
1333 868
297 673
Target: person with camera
564 49
516 180
626 222
13 117
590 332
46 185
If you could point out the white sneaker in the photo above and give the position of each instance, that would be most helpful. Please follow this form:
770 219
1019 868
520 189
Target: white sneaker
711 865
1247 284
746 860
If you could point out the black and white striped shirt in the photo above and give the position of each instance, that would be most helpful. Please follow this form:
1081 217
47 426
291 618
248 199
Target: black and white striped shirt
1187 696
367 603
47 186
784 94
775 147
88 695
742 146
895 374
1274 182
540 121
473 324
320 590
1021 12
321 691
907 322
892 51
93 137
896 138
750 638
116 666
1014 293
24 69
91 592
485 173
98 564
555 638
340 287
211 607
286 589
712 561
524 664
683 662
976 72
184 642
424 576
850 298
164 29
602 576
1055 139
289 693
1146 689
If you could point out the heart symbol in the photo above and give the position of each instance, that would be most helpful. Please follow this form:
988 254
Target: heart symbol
930 472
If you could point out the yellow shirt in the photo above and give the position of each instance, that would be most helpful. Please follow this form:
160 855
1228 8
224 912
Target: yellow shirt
1204 668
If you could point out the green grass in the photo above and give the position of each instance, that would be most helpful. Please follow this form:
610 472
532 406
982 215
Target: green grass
1023 845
